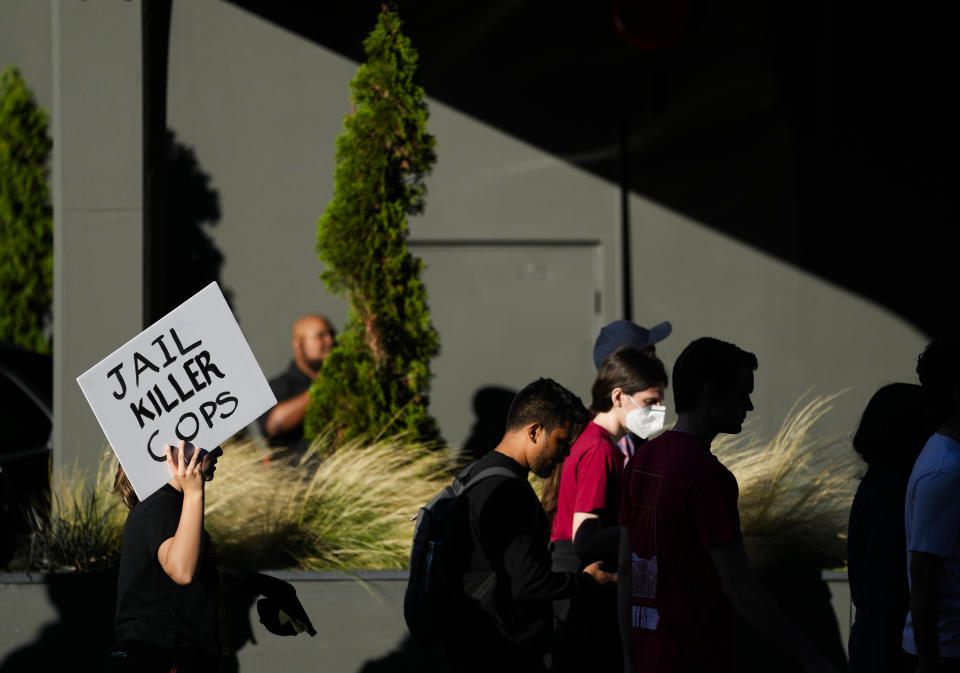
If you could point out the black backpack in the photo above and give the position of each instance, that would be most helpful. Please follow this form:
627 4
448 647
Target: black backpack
436 584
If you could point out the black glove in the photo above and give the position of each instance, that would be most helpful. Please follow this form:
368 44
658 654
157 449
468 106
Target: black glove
280 611
277 620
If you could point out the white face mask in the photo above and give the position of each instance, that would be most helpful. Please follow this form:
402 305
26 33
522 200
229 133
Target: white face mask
644 421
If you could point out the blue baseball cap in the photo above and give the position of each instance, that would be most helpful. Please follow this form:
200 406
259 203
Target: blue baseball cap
621 333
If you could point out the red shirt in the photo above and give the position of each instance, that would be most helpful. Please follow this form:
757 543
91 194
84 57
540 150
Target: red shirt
589 481
678 502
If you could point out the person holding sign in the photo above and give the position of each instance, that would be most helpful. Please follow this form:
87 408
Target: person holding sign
168 590
313 339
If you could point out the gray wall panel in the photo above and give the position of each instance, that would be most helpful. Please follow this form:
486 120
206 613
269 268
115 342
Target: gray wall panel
25 37
359 622
809 335
98 221
507 315
262 108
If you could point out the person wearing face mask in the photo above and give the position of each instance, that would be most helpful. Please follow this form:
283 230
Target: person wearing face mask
627 334
626 396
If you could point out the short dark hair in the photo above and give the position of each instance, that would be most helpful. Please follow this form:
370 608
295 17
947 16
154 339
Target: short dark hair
894 427
707 360
938 368
546 402
629 369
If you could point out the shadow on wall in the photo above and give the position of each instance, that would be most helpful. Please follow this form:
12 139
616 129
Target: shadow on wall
82 637
192 259
490 405
804 597
409 657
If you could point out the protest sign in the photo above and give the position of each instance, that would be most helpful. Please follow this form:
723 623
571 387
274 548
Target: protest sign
190 375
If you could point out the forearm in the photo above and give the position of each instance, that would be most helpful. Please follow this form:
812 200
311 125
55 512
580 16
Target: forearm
531 578
180 555
925 605
287 414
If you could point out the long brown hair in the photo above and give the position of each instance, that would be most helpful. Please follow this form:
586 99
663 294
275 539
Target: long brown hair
124 489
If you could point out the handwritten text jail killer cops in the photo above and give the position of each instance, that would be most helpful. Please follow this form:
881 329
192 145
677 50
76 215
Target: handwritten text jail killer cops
194 373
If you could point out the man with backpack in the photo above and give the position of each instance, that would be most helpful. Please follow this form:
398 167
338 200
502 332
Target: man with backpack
502 618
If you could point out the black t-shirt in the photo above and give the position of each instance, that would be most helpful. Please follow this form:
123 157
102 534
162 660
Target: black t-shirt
289 384
877 562
510 533
151 607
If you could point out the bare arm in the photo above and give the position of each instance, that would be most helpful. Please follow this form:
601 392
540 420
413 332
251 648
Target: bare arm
179 555
578 519
752 600
287 414
925 606
625 600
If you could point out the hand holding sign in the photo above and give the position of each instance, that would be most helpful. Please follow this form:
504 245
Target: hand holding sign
190 377
209 458
187 472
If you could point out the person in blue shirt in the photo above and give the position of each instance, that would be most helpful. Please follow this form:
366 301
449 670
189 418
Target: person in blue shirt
932 519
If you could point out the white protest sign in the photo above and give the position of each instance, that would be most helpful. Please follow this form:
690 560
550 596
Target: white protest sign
190 375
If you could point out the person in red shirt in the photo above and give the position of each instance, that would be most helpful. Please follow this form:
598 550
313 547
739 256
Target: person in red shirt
681 537
626 395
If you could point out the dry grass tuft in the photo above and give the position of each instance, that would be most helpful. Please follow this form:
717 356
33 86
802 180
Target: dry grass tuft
351 509
79 527
795 490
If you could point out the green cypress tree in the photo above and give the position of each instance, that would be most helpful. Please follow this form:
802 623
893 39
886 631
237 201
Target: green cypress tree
26 220
376 379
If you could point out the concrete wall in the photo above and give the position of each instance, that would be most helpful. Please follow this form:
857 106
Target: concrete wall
25 41
97 205
810 337
359 619
522 250
82 60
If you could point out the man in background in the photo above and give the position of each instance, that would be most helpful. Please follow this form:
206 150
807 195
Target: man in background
312 340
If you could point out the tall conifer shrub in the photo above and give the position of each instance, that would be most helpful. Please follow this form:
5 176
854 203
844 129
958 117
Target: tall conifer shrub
26 220
376 378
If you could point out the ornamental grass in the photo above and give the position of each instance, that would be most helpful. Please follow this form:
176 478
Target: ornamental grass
351 509
795 489
79 526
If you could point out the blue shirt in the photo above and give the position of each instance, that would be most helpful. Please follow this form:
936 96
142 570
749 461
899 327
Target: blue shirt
932 522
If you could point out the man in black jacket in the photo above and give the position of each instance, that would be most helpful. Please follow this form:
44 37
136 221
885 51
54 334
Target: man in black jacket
312 340
510 627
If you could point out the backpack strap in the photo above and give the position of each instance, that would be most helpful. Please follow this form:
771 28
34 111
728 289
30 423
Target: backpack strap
461 486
